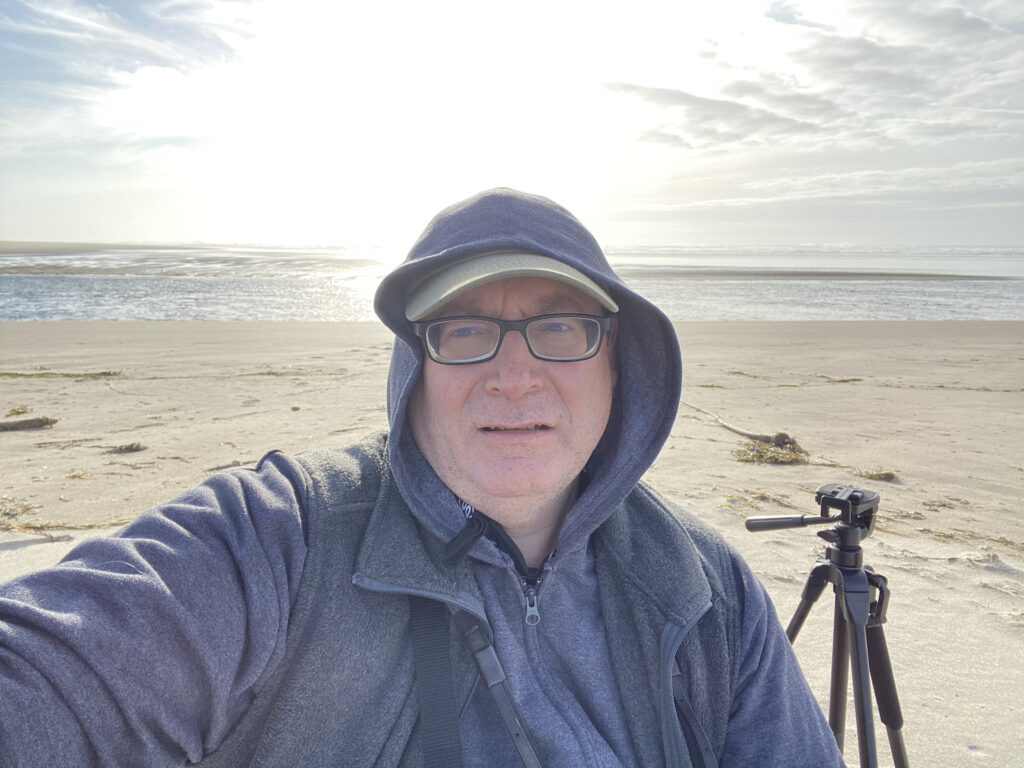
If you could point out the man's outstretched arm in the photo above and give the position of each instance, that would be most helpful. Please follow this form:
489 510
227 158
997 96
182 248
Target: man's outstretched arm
143 649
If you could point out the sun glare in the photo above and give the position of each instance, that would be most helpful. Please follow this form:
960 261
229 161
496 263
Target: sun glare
324 130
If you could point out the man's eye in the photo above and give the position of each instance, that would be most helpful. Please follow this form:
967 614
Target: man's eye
556 326
461 331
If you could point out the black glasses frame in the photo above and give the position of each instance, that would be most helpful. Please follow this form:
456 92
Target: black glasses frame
604 323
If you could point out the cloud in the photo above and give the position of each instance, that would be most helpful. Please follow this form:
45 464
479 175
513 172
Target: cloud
699 121
955 178
925 22
958 203
870 73
63 62
962 202
49 45
787 13
877 74
895 51
780 96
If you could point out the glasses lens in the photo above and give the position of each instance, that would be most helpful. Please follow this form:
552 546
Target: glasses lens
462 340
564 337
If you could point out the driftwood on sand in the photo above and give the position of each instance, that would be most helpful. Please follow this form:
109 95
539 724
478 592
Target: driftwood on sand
779 439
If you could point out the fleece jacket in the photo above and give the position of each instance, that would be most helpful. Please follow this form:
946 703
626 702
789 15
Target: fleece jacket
261 619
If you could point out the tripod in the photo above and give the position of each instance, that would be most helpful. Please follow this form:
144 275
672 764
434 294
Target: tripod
861 599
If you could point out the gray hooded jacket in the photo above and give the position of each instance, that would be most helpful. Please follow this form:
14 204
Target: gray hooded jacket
262 618
560 669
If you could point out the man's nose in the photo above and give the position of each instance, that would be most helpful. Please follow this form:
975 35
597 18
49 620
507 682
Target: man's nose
514 371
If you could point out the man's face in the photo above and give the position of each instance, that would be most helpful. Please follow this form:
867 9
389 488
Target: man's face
514 431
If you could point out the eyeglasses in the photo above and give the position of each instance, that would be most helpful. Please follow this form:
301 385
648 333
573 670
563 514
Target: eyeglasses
559 338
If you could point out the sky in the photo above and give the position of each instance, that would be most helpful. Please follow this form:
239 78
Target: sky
657 123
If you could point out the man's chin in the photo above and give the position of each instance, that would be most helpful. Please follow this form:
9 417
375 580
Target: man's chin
515 484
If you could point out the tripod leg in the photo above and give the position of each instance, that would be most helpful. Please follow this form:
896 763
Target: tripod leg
813 588
885 691
862 693
840 674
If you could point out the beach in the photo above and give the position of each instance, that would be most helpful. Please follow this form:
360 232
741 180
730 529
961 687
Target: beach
928 414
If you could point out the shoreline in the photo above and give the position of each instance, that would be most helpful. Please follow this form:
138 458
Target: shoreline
712 262
936 403
626 272
797 274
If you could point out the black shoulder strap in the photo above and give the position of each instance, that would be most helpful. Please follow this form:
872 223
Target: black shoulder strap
494 676
439 720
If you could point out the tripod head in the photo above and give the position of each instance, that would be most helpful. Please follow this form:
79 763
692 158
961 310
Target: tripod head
852 510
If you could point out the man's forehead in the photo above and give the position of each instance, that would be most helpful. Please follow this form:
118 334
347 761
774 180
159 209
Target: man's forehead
539 295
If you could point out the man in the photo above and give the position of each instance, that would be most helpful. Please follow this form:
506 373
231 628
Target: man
487 584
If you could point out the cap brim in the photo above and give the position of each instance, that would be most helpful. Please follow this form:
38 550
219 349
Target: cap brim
453 280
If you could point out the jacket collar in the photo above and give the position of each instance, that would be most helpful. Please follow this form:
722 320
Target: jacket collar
641 548
632 547
398 554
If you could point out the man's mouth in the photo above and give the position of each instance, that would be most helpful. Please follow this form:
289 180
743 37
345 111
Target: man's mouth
528 428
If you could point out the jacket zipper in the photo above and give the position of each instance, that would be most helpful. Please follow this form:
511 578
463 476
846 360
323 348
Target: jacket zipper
680 748
530 589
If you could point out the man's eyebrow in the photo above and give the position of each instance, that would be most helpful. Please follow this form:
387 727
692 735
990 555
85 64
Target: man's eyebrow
561 304
551 306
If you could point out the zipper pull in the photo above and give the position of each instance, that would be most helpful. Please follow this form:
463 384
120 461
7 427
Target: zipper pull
532 614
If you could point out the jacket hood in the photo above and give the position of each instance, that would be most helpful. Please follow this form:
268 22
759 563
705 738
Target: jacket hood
647 393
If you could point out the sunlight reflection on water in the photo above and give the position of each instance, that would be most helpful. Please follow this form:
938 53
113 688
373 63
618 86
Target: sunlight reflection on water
58 282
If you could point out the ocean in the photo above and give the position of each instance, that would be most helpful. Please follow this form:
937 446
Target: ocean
245 283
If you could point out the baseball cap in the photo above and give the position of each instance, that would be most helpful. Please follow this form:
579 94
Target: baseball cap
452 280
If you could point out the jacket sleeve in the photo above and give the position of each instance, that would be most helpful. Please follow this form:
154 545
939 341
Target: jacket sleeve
775 719
143 649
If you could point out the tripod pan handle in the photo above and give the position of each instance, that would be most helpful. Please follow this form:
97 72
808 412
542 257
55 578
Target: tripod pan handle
789 521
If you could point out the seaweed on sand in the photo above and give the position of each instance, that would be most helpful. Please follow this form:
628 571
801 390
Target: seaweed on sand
786 451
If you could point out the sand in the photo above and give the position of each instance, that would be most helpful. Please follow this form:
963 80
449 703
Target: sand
145 410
